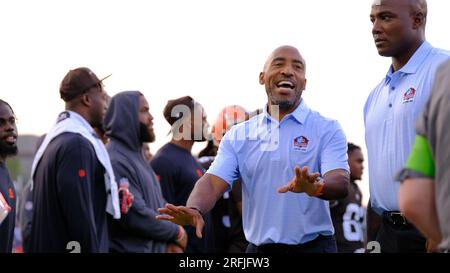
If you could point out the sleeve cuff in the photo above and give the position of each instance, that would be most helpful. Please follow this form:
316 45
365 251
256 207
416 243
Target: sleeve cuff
408 173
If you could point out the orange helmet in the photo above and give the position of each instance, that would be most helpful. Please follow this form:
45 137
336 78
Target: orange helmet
229 116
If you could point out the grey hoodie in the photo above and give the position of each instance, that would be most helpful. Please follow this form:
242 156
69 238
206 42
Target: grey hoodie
138 230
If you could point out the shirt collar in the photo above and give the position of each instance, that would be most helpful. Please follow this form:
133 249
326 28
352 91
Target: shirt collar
82 121
415 61
299 114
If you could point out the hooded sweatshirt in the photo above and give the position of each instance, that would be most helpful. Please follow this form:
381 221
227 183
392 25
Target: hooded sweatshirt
137 230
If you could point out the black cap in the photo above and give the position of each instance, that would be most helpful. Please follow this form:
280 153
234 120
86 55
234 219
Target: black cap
78 81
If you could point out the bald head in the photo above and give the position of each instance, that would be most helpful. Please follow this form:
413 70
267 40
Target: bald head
422 3
416 7
281 49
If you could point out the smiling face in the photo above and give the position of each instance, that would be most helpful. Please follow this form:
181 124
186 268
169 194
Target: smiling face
284 78
8 132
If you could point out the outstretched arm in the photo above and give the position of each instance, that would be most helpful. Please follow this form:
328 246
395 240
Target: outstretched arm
334 184
205 194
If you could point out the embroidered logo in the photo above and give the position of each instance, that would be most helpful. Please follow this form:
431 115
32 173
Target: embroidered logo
301 143
81 173
64 115
409 95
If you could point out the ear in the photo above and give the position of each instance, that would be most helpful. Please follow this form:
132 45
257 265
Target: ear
418 20
261 78
85 99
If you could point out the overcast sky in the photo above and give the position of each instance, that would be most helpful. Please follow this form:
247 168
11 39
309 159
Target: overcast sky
210 50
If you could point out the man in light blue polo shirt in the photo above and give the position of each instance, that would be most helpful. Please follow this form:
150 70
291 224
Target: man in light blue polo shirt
283 150
390 114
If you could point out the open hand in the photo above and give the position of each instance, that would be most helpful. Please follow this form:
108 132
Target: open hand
303 181
182 216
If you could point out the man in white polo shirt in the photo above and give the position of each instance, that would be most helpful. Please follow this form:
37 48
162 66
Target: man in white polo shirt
283 150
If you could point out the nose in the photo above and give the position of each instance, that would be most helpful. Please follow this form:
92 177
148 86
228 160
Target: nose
287 71
376 27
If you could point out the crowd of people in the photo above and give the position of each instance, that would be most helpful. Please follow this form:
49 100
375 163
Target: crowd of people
281 179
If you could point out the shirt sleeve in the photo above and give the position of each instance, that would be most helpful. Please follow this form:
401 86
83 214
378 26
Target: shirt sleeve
226 164
420 159
334 152
140 219
75 176
420 163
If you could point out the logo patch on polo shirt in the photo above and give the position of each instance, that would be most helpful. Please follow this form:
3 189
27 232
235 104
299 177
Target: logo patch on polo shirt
409 95
300 143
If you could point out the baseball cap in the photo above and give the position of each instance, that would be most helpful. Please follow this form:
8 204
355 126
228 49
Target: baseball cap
77 82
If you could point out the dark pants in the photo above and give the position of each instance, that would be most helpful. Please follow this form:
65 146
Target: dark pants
396 235
322 244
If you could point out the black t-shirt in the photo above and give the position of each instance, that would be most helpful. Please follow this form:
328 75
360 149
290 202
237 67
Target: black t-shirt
178 171
69 198
227 219
220 215
348 217
8 224
238 243
24 215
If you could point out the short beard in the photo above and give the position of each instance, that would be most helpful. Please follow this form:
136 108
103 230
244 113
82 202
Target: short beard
8 150
145 135
283 105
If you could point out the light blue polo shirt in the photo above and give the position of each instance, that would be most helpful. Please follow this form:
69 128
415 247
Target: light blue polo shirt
263 152
390 114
